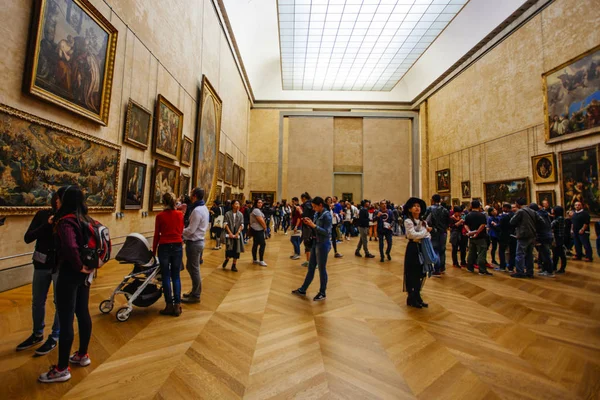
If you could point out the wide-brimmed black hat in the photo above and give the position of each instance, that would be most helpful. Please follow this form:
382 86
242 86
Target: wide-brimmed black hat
409 204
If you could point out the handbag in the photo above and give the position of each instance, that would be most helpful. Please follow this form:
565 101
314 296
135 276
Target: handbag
219 221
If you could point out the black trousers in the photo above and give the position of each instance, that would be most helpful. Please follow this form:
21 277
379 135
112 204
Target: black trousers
413 272
387 234
334 237
72 298
462 246
258 243
494 249
558 252
503 246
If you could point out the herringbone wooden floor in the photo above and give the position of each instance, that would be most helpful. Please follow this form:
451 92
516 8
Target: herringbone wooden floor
481 338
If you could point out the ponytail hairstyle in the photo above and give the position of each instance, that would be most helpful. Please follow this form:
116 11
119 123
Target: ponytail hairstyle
168 201
318 201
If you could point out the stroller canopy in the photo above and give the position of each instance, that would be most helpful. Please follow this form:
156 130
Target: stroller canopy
136 250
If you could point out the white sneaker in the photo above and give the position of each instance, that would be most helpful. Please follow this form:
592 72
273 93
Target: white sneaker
296 257
83 360
286 233
54 375
262 264
256 261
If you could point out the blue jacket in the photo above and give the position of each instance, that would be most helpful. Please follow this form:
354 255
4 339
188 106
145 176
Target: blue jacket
323 228
493 231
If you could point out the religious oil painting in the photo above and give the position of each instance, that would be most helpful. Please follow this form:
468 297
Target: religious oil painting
242 178
455 202
165 179
465 188
443 180
221 167
38 156
544 168
207 140
167 128
71 57
138 125
579 179
236 175
572 98
134 182
228 169
186 151
507 191
227 193
548 195
184 184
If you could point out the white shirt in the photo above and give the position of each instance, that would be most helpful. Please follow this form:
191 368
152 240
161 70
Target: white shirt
196 230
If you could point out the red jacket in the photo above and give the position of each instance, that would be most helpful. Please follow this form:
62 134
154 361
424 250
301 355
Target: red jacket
168 228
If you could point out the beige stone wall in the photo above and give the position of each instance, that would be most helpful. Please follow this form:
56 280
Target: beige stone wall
164 46
488 122
346 183
348 144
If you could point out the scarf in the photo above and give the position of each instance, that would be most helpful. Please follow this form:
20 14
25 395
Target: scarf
188 211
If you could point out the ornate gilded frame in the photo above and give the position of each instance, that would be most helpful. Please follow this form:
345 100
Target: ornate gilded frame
162 100
157 163
485 189
187 162
228 162
128 121
553 176
236 175
128 164
242 178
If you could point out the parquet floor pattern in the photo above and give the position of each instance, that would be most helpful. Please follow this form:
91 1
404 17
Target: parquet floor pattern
481 337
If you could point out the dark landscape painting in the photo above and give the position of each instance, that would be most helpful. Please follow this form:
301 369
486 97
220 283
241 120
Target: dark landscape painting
508 191
38 156
579 179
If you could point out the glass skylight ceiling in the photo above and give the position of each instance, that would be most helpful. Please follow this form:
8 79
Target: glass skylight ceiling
365 45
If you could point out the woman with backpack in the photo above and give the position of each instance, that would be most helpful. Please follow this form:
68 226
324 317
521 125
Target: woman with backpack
72 287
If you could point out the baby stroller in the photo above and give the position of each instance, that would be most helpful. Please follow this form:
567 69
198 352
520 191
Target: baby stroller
142 287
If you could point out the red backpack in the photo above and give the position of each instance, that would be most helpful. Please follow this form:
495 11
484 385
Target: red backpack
96 248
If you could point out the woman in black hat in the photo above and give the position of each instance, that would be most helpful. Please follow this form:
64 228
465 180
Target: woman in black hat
416 230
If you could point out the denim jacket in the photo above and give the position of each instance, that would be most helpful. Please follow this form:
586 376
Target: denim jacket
323 228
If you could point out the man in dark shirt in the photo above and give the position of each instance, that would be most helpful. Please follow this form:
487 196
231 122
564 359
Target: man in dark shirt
581 233
363 230
384 229
307 231
476 222
439 219
506 239
524 222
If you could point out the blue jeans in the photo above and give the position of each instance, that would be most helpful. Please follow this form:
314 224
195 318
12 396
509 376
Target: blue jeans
438 241
318 257
387 235
544 257
524 259
583 241
39 288
296 240
170 257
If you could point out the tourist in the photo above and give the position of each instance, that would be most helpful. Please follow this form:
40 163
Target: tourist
558 231
543 236
232 234
246 210
524 221
581 233
476 223
457 239
259 227
296 221
505 238
217 213
438 218
384 218
493 226
307 232
334 216
372 223
364 221
348 218
416 230
193 235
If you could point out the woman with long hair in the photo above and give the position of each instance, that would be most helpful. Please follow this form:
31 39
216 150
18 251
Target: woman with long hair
259 226
168 239
329 203
72 287
416 230
232 234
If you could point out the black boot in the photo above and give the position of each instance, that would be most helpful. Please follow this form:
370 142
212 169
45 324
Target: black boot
225 263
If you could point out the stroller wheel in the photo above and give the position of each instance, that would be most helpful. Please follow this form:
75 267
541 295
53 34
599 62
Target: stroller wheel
106 306
123 314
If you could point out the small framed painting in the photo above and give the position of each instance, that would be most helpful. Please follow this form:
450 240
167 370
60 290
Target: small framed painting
186 151
228 170
455 202
242 178
218 191
184 184
236 175
549 195
443 180
165 179
544 168
138 125
167 129
134 183
221 167
465 188
227 193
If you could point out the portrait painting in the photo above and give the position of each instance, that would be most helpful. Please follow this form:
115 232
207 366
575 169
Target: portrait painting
465 188
138 125
549 195
184 184
227 193
165 179
242 178
221 167
236 175
455 202
71 57
572 98
218 191
167 128
134 181
579 179
443 180
37 157
445 200
466 205
507 191
186 151
228 169
544 168
207 140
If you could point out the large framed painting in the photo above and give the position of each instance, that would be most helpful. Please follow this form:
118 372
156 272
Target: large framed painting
138 125
134 181
544 168
579 179
165 179
228 169
168 128
207 140
443 180
507 191
186 151
184 184
38 156
71 57
572 97
221 167
242 178
465 188
267 197
541 195
236 175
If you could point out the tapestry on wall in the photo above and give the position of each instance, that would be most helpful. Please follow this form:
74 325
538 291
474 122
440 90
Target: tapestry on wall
207 140
443 180
165 179
38 156
138 125
71 57
134 183
579 179
572 98
507 191
168 128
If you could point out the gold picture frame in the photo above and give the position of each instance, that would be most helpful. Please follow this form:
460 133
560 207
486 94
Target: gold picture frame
541 195
236 175
221 167
228 169
168 182
242 178
579 168
184 184
443 180
186 151
465 189
496 193
544 168
137 125
167 139
49 71
134 185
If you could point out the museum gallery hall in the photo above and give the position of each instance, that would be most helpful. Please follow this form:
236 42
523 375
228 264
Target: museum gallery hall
300 199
